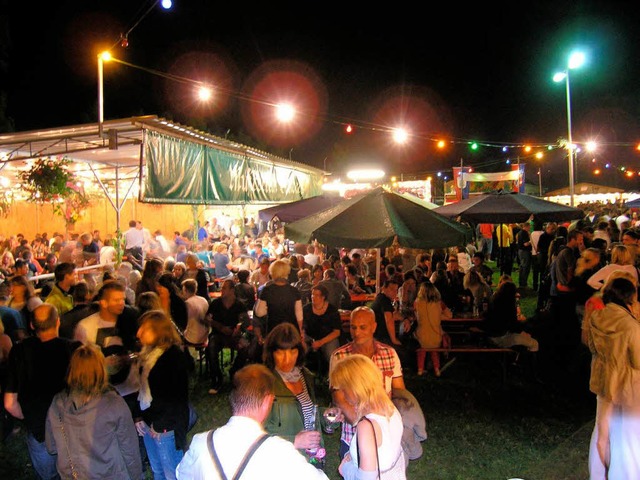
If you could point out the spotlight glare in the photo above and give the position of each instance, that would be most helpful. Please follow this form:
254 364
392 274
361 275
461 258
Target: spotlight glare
285 112
400 135
204 94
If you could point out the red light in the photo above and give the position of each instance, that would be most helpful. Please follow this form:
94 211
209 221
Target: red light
348 129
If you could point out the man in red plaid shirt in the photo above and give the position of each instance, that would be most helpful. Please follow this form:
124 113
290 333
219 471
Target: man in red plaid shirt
362 327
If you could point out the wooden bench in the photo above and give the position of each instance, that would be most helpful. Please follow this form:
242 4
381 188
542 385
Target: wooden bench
476 349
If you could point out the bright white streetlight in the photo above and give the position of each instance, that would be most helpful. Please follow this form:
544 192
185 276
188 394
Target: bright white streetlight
204 94
400 135
576 60
359 175
285 112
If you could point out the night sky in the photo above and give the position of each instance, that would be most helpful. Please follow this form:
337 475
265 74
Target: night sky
463 73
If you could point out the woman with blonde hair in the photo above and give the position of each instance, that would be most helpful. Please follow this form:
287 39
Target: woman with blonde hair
7 262
621 259
429 310
164 394
279 301
89 425
375 451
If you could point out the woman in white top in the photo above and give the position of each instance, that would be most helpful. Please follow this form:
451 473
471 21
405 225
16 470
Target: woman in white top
621 259
376 449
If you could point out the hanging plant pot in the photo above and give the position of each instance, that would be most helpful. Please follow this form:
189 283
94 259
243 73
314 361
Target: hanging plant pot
47 180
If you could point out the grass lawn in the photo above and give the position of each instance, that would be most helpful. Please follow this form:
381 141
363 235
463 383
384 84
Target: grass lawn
478 426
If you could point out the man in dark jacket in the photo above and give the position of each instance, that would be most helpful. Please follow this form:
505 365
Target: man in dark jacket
36 372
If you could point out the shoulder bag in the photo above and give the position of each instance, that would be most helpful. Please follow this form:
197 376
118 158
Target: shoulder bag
74 473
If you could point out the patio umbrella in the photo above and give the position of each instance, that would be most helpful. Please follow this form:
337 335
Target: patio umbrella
508 207
292 211
633 203
376 219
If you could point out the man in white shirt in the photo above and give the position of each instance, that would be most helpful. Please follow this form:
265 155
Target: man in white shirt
197 330
116 338
311 258
251 401
133 243
146 233
538 230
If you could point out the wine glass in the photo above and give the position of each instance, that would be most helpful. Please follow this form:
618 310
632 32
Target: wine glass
331 417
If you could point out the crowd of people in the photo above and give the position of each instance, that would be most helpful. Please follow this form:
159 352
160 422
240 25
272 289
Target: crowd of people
95 362
110 349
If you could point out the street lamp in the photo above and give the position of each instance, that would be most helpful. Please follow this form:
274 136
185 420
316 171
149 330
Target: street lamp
539 156
576 59
102 57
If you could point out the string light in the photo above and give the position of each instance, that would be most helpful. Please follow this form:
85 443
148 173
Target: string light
401 135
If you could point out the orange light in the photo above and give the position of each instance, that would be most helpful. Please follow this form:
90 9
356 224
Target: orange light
441 143
629 173
527 148
596 171
638 147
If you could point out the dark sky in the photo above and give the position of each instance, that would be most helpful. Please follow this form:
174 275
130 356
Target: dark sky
465 73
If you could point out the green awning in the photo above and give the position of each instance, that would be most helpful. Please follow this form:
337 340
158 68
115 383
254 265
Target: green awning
185 172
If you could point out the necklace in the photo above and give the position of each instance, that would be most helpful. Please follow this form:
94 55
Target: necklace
320 310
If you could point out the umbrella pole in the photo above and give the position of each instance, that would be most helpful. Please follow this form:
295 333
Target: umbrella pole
501 248
378 263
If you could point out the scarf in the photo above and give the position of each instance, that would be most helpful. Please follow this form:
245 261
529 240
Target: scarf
290 377
149 356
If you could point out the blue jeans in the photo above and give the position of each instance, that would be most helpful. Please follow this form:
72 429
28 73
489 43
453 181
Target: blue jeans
162 453
43 462
525 266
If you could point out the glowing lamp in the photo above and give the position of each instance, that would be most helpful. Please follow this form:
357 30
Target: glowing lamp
285 112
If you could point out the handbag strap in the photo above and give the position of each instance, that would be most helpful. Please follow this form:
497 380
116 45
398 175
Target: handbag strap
245 460
74 474
375 441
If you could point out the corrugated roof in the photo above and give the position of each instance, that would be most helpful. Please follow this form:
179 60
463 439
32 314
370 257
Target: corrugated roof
120 146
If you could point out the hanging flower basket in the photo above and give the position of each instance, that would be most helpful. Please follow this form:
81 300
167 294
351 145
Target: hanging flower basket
50 181
47 180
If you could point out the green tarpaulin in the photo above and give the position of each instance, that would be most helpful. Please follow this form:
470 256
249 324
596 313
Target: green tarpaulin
184 172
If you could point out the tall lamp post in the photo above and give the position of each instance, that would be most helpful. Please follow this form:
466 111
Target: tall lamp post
102 57
539 157
576 59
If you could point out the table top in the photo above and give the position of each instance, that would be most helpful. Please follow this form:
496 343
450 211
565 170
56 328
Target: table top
462 319
362 297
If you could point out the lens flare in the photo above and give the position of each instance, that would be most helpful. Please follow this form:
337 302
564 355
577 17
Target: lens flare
279 83
420 112
213 98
